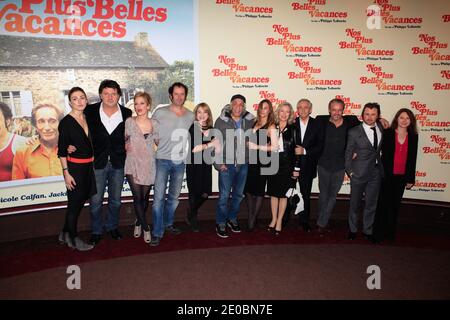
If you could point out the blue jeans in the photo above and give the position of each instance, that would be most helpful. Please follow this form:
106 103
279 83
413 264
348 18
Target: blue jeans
114 178
164 209
230 181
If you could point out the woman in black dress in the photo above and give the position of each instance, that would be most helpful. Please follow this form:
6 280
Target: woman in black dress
285 178
77 167
199 168
399 153
263 139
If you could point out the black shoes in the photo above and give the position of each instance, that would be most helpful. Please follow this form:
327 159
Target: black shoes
95 239
221 231
171 229
234 226
370 238
306 227
115 234
322 231
193 223
155 241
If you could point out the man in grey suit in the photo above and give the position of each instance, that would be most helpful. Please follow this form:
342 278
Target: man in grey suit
363 166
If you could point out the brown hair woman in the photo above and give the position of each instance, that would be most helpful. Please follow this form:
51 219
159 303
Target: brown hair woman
399 153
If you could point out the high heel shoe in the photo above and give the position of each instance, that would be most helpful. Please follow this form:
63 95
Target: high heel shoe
137 230
78 244
62 237
147 236
270 229
277 232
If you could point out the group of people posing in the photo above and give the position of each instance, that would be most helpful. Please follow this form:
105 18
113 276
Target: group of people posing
101 144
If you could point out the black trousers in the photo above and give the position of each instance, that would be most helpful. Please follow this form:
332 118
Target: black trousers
391 194
305 190
83 175
74 206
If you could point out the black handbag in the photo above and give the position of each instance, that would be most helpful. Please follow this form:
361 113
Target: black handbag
293 200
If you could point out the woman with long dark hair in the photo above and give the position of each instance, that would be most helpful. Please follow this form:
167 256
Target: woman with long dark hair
263 139
78 166
399 153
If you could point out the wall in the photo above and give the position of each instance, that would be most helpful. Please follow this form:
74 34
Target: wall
322 49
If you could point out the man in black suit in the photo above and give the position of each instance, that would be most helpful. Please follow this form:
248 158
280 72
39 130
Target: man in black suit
365 169
309 146
330 168
106 121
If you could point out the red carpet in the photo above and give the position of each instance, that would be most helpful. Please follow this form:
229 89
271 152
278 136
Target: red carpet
33 255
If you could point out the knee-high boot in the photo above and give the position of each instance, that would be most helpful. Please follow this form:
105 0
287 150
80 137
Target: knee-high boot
194 203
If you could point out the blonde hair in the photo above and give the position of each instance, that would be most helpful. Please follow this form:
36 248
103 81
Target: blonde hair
205 106
145 96
291 114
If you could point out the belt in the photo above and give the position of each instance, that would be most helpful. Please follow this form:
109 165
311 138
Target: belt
78 160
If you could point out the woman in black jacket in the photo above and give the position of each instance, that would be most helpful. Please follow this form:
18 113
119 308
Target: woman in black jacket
78 166
263 140
199 169
285 178
399 153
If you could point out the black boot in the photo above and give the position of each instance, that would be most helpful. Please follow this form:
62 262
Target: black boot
192 215
250 211
254 207
194 223
251 220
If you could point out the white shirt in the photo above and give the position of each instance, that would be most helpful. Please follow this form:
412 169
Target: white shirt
280 140
369 133
303 127
112 122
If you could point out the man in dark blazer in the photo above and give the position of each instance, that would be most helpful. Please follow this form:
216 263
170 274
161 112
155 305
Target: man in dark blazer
106 121
365 169
308 134
330 168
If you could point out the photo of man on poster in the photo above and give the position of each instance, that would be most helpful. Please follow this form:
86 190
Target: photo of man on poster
39 158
